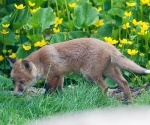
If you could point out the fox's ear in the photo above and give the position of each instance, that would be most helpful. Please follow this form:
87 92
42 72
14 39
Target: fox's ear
25 64
11 61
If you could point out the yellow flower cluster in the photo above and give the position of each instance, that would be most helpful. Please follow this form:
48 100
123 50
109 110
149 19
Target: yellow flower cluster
143 26
33 9
40 43
4 31
110 40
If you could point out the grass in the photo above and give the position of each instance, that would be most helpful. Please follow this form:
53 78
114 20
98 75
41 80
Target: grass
20 110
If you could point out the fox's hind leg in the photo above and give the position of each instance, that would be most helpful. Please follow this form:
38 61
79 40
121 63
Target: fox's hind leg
114 73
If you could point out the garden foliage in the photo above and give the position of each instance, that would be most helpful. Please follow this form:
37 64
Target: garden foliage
27 25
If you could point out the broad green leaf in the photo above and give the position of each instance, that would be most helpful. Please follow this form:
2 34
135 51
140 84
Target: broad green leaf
43 18
104 30
59 37
21 16
77 34
21 53
8 39
84 16
116 12
36 37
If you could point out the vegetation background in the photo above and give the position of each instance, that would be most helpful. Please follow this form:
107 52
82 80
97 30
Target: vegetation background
27 25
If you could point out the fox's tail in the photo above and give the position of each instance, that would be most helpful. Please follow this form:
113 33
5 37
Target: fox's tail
124 63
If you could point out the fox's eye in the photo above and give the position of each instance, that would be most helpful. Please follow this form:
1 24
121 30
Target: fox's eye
22 81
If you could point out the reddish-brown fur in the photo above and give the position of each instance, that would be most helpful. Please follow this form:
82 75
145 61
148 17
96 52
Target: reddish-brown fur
92 57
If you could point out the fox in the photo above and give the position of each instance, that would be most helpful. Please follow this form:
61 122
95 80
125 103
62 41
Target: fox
92 57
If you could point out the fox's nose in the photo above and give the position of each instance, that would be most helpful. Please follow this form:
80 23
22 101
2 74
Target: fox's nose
18 91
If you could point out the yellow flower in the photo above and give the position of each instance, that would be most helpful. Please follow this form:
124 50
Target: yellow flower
126 26
5 25
124 41
144 1
13 55
58 21
130 42
73 5
34 10
144 27
1 58
43 43
135 23
131 4
120 45
56 30
31 4
4 32
26 47
40 43
19 7
99 23
128 13
132 52
143 32
142 54
98 9
37 44
110 40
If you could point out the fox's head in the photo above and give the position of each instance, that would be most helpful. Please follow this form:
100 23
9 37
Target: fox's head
23 75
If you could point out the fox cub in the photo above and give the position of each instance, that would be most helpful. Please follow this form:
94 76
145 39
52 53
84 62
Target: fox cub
92 57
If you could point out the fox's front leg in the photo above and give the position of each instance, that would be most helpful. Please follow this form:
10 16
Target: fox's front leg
53 82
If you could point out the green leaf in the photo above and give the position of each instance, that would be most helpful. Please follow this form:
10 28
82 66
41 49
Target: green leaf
105 30
110 83
59 37
116 12
21 53
43 18
77 34
8 39
36 37
84 16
